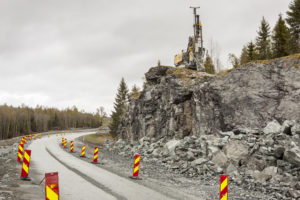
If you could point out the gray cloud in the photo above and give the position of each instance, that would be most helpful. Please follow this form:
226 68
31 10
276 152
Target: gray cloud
74 52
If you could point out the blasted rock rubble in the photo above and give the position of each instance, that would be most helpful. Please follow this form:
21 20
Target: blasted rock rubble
266 160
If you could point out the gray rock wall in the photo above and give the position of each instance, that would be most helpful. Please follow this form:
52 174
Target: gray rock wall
177 102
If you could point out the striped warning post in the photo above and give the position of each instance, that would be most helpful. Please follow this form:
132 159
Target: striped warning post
48 135
62 141
25 166
83 151
136 165
95 160
72 147
25 139
29 136
51 186
34 136
223 187
66 143
56 134
20 151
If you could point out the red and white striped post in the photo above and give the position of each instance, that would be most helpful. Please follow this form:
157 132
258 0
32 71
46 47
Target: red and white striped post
25 166
20 151
223 187
66 143
95 160
136 167
83 151
51 186
72 147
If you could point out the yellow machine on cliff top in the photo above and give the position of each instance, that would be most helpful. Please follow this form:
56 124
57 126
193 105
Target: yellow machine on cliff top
192 58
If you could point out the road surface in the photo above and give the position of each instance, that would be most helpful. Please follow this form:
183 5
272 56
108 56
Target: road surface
79 180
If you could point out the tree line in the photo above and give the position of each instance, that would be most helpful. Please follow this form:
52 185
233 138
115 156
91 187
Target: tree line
282 40
18 121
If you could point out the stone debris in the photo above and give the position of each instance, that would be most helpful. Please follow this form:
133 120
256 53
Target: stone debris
266 160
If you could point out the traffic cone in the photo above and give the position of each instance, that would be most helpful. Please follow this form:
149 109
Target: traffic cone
83 151
51 186
71 147
25 166
20 151
136 167
223 187
95 160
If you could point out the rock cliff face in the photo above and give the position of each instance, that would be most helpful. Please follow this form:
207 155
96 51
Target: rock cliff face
177 102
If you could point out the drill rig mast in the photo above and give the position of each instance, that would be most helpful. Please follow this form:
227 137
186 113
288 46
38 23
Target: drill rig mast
193 57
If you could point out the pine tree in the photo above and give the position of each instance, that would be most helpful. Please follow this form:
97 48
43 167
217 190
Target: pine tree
263 41
135 92
251 52
281 39
244 56
208 65
293 19
119 108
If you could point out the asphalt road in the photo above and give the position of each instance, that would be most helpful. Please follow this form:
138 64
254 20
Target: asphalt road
79 180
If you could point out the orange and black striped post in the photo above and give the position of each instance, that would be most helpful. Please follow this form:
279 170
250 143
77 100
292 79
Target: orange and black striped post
95 160
72 147
223 187
51 186
83 151
20 151
136 165
66 143
25 166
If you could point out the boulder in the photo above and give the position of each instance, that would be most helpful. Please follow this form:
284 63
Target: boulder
292 155
170 147
220 159
272 127
296 129
236 150
199 161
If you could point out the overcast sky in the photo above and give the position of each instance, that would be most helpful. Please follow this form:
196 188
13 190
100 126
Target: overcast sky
61 53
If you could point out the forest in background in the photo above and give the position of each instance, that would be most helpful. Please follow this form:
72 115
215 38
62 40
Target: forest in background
17 121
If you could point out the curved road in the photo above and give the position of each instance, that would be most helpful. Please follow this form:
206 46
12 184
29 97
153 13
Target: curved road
79 180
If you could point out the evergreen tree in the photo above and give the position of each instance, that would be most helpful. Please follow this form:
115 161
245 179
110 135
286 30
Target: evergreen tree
244 56
135 92
208 65
293 19
119 108
263 41
251 54
281 39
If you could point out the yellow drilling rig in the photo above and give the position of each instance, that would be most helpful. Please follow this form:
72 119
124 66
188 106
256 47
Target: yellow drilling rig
193 57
